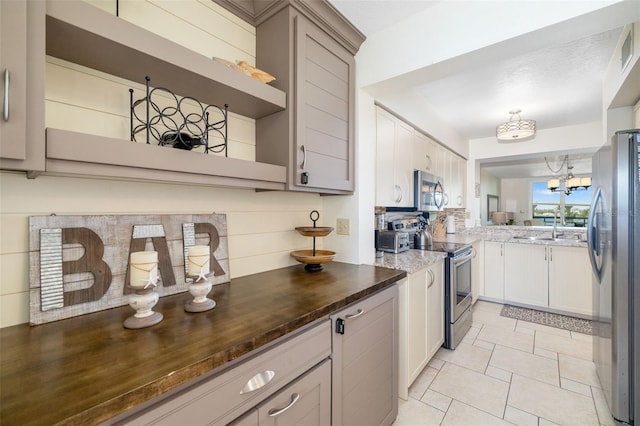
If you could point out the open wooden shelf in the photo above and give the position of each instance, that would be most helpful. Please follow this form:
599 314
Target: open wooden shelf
72 153
84 34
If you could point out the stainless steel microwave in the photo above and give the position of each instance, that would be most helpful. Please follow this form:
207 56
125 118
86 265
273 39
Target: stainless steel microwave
428 195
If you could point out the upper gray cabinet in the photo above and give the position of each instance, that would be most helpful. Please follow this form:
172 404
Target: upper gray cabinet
310 49
22 75
83 34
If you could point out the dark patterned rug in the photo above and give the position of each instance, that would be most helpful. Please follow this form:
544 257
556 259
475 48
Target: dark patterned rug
546 318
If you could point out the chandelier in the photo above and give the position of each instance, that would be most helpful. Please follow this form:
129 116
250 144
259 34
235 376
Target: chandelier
571 182
515 129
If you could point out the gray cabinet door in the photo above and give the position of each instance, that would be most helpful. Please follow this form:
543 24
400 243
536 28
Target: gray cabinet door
365 361
314 136
22 72
325 93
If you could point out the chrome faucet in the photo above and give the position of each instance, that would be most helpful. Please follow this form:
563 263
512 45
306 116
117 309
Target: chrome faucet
554 232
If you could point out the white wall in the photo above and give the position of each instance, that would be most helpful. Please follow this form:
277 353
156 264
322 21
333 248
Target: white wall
560 139
359 208
517 193
261 225
579 138
620 86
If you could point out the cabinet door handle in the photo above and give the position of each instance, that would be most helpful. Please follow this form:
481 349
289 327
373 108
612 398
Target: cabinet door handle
5 100
545 253
304 157
356 315
429 162
459 200
277 411
446 199
397 196
501 249
551 254
258 381
432 278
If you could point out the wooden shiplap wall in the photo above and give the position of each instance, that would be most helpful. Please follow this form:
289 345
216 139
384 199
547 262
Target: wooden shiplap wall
260 224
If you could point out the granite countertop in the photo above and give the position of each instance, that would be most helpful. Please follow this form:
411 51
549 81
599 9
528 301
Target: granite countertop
572 237
459 238
87 369
410 261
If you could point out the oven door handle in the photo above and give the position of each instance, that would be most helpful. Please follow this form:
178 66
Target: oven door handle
459 260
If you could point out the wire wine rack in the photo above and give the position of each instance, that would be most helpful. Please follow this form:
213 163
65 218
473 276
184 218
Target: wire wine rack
180 122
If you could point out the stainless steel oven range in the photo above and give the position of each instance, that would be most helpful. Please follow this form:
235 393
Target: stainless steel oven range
457 291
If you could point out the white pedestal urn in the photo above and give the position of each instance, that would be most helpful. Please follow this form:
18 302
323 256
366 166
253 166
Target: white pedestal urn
143 301
199 290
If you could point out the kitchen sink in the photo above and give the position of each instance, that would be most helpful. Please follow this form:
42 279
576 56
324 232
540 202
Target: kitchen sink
534 238
558 240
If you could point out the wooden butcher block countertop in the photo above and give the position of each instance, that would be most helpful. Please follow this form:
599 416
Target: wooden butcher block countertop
87 369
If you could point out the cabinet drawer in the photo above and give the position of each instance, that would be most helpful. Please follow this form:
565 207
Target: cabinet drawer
307 401
228 395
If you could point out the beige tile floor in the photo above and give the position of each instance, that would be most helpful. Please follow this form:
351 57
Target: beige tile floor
505 372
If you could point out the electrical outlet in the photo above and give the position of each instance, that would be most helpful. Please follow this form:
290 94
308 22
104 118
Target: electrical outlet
343 227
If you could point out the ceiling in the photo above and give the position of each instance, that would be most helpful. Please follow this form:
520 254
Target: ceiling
557 86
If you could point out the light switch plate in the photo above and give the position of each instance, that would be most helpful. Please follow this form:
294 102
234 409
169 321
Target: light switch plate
343 227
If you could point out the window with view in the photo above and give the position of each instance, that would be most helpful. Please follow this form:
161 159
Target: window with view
545 202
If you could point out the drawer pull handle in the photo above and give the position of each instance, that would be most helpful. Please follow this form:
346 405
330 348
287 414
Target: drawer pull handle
277 411
258 381
356 315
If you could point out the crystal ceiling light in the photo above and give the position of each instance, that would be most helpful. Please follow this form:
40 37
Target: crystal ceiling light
515 129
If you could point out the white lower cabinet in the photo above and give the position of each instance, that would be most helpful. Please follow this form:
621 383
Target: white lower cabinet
494 270
570 280
365 361
435 309
557 278
417 321
525 274
477 271
422 322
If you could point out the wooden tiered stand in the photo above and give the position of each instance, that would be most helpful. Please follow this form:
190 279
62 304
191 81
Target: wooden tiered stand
313 259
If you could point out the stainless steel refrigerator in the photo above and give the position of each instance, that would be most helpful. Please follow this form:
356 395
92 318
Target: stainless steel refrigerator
614 249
